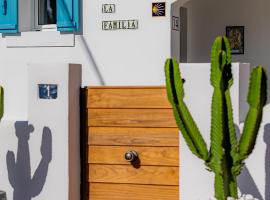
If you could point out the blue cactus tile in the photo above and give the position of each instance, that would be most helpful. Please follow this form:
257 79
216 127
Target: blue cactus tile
47 91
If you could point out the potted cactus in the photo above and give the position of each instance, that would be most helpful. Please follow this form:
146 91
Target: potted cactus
226 155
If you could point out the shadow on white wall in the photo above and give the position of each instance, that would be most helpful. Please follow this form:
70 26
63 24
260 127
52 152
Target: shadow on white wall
92 60
19 171
245 181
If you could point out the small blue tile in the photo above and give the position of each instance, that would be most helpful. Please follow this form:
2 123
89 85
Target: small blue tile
47 91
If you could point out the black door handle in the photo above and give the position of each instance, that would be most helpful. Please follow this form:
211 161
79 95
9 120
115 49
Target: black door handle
131 156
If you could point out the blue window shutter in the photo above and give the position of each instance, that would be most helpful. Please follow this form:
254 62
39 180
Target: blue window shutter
8 16
67 15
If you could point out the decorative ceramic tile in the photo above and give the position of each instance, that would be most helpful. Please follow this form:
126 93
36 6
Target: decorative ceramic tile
47 91
159 9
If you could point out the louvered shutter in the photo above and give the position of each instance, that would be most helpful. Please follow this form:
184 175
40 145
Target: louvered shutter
8 16
67 15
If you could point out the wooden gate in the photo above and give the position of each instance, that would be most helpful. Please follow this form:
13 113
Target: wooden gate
120 119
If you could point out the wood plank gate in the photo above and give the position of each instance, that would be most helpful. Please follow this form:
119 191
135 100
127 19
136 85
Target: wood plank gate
120 119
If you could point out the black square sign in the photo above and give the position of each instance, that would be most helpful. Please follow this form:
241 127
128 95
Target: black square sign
159 9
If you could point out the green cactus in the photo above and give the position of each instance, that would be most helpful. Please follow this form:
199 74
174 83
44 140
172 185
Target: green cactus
226 155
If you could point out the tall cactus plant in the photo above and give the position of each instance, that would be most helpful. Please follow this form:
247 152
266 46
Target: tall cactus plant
226 155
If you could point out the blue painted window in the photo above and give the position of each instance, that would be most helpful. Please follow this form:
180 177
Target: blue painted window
8 16
67 15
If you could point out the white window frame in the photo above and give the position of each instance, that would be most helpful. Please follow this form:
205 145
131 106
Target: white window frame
38 27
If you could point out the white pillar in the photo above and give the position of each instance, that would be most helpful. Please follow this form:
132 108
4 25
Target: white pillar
54 115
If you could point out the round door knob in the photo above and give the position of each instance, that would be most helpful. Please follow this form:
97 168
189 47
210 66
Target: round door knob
131 156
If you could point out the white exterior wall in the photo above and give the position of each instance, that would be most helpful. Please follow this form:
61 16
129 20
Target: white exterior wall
134 57
123 57
40 156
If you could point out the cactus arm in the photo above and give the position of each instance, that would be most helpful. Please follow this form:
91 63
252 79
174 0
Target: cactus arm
11 167
217 129
185 122
235 163
250 131
233 138
218 62
39 178
215 70
257 97
233 143
221 62
187 138
217 153
221 162
228 83
234 152
1 102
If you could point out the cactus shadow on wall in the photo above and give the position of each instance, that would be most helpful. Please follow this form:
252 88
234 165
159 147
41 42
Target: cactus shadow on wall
266 138
247 185
245 181
92 60
25 185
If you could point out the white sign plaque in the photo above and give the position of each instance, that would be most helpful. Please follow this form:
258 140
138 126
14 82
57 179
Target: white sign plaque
175 23
108 8
120 25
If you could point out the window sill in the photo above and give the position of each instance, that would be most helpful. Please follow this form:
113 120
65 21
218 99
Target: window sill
40 39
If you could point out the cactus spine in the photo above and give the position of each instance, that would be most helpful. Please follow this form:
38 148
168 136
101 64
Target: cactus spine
226 155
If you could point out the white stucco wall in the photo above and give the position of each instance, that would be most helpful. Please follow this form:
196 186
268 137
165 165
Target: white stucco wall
134 57
40 155
123 57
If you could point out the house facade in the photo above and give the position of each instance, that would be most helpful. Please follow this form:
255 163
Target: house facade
116 43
